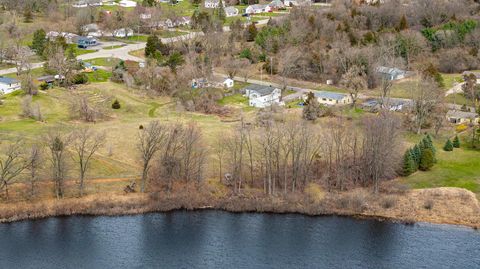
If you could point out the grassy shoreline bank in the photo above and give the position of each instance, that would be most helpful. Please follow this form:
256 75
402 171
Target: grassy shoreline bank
451 205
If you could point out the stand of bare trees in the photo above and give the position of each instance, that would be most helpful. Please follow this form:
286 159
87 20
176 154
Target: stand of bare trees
286 156
56 143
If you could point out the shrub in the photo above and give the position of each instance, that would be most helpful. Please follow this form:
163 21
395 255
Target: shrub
461 128
80 78
116 104
448 145
388 202
427 160
44 86
409 165
428 204
456 142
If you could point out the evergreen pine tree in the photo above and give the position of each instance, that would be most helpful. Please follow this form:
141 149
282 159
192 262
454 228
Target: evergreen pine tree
427 160
39 41
409 165
456 142
221 12
448 145
417 154
151 46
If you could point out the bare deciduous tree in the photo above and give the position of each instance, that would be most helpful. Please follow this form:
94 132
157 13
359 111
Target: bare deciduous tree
85 143
150 139
56 143
34 163
11 165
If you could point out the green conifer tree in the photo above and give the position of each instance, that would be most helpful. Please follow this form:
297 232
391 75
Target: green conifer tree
456 142
448 145
409 165
427 160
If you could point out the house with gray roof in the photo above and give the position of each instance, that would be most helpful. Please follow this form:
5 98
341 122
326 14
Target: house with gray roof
391 73
459 117
263 96
332 98
231 11
392 104
213 3
257 8
8 85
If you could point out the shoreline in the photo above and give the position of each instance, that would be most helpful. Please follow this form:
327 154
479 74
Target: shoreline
137 203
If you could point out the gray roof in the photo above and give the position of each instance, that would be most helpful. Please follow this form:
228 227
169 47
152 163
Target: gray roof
6 80
260 89
462 114
390 70
329 95
258 6
231 9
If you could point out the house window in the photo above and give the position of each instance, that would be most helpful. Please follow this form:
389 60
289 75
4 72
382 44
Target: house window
324 99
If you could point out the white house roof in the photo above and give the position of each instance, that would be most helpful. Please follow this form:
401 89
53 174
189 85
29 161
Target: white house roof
258 7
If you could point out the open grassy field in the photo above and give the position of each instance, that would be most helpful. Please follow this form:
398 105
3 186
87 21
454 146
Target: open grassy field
107 62
117 159
459 168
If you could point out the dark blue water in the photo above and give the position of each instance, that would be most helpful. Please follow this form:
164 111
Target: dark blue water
215 239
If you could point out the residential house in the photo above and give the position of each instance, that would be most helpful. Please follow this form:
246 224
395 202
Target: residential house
391 73
69 37
459 117
297 3
228 83
176 22
276 5
80 4
123 32
8 85
263 96
145 16
257 8
213 3
476 74
332 98
86 41
392 104
231 11
127 3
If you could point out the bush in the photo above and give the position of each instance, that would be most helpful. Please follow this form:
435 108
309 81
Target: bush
44 86
116 104
427 160
461 128
448 145
428 204
388 202
456 142
80 78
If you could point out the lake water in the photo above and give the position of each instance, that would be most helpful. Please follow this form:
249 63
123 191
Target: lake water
216 239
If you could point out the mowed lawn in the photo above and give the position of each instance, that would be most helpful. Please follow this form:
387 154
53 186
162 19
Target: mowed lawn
460 168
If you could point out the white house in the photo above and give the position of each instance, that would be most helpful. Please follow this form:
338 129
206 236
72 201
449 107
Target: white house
459 117
391 73
276 4
127 3
80 4
297 3
257 8
123 32
392 104
228 83
263 96
231 11
69 37
8 85
213 3
332 98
